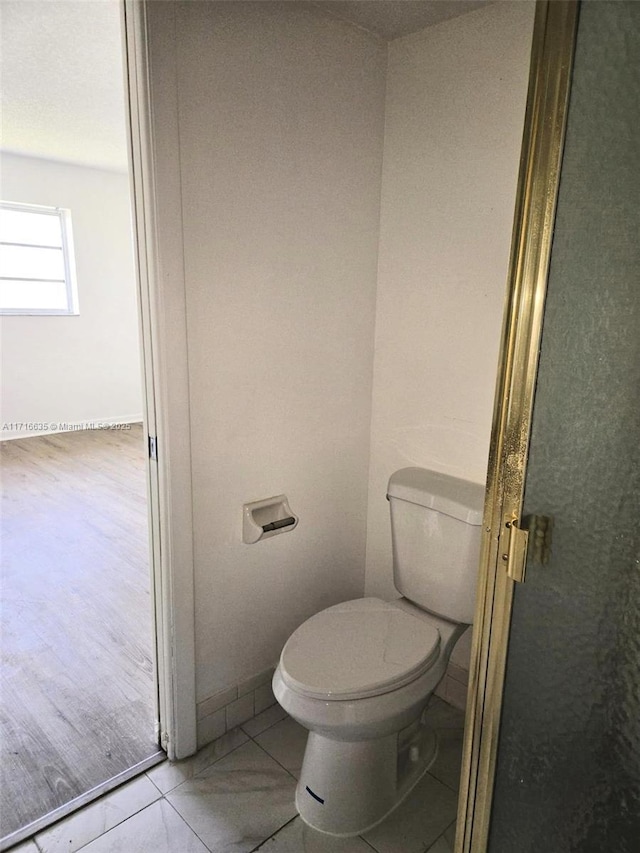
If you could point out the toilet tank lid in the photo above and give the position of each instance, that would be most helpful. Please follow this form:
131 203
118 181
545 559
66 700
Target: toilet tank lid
452 496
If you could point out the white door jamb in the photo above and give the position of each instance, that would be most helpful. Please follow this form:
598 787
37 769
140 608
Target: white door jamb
157 213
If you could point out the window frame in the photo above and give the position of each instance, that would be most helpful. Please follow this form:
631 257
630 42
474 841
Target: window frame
68 256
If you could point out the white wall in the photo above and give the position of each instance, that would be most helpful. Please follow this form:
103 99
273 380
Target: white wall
280 120
454 112
281 115
86 367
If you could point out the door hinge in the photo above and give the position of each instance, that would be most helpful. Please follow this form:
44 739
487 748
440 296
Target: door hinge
514 541
529 536
153 448
540 528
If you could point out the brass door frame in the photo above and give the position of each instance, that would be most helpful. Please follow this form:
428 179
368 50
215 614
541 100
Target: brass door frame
543 138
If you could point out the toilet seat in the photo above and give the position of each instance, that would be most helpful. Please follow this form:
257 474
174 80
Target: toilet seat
358 649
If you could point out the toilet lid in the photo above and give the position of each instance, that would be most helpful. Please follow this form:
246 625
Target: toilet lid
357 649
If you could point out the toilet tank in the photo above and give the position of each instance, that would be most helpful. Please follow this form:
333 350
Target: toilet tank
436 522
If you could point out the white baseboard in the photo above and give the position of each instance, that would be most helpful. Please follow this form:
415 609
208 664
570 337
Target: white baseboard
233 706
453 687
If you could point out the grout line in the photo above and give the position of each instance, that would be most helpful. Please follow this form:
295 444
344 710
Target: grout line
220 759
215 762
104 797
153 783
453 823
207 766
276 761
440 837
202 769
266 840
77 804
120 822
185 821
456 791
262 843
244 743
262 731
368 843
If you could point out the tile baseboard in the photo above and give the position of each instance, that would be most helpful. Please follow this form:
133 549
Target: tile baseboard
233 706
453 687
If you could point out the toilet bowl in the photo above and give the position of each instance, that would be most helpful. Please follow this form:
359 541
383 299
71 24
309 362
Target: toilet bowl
368 744
359 674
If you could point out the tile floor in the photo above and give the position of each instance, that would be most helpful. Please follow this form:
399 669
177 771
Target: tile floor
237 795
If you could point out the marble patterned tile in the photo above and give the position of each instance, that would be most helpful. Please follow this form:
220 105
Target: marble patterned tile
83 826
263 697
456 693
448 762
217 701
441 689
418 821
264 721
240 711
450 835
448 723
458 673
286 742
441 846
441 715
156 829
170 774
211 727
256 681
297 837
238 802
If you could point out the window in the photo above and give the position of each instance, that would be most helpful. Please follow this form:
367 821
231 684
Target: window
37 270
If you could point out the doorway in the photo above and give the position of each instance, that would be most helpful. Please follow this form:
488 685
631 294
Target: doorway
80 682
78 696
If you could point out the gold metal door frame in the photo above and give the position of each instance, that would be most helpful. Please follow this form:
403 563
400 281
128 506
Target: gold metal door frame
544 129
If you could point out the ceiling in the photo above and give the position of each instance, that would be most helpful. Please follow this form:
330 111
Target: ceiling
62 81
62 77
391 19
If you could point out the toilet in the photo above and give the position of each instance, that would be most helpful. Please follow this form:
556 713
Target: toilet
359 675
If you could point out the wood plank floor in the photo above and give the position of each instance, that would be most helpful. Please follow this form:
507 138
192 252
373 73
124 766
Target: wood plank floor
76 700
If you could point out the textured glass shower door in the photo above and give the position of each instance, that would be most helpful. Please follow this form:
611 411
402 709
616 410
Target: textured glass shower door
568 761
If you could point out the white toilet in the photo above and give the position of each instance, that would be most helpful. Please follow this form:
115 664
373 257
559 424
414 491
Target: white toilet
359 675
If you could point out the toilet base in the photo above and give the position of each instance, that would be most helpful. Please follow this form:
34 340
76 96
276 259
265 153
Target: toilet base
347 788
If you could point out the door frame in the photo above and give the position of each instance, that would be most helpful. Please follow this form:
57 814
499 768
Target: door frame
158 237
538 182
152 97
